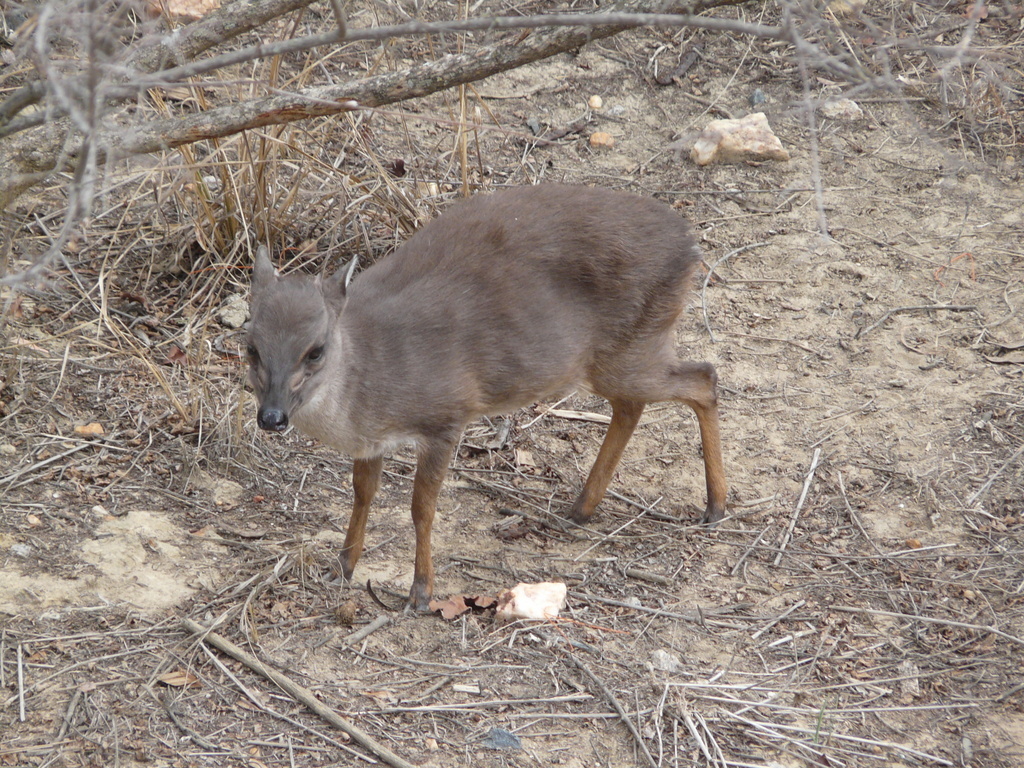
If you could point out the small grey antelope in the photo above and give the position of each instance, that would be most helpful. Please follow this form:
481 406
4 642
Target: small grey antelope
506 299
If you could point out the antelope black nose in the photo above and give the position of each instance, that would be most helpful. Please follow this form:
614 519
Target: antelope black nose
272 419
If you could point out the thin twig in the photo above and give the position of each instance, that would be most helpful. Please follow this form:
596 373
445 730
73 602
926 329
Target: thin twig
697 617
182 73
40 464
775 727
856 518
69 715
919 308
473 706
707 279
796 606
366 631
339 16
748 551
932 620
21 683
299 693
610 697
800 503
198 739
601 540
988 483
256 702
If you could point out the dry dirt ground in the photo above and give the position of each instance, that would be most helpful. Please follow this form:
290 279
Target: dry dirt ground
862 606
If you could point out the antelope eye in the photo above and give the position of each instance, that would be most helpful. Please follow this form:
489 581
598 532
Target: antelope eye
315 355
252 353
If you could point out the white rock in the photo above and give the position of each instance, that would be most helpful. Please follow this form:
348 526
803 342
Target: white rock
234 311
531 601
664 661
737 141
841 109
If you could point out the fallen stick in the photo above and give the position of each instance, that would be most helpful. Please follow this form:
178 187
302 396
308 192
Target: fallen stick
299 693
921 308
610 698
799 506
366 631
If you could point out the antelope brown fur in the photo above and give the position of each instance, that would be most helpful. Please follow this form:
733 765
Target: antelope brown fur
505 300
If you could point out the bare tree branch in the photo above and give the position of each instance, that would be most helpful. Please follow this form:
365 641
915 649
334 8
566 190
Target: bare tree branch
183 44
300 44
53 147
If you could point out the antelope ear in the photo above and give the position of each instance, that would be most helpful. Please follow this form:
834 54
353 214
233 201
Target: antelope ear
263 271
335 287
349 271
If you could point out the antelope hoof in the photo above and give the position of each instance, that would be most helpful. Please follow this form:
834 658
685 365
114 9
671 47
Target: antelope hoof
419 598
713 515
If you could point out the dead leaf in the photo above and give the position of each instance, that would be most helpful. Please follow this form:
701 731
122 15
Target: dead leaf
514 531
282 609
182 10
456 605
450 608
977 12
89 430
180 678
179 93
177 356
524 458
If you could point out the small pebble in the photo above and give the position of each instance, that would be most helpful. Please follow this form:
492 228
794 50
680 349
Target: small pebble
665 661
499 738
842 109
602 139
595 102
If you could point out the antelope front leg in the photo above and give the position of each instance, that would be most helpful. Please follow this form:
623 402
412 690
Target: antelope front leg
431 466
365 482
